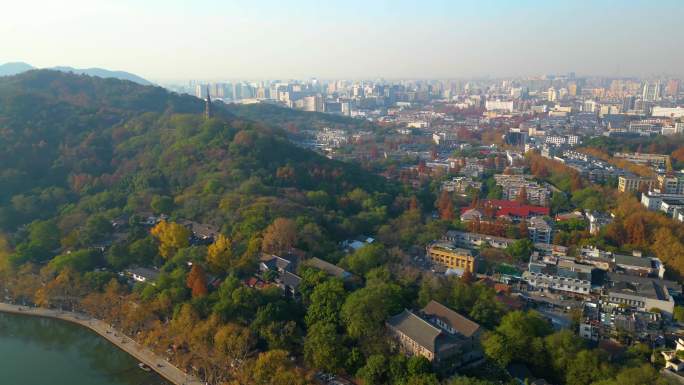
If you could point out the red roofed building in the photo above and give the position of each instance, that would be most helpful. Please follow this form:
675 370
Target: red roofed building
512 209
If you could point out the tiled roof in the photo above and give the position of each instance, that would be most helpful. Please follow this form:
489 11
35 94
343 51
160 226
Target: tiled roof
416 328
460 323
328 267
291 280
512 208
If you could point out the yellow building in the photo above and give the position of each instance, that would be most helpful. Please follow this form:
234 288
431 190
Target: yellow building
635 183
446 255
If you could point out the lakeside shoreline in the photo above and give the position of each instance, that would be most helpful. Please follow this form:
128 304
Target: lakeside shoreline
162 367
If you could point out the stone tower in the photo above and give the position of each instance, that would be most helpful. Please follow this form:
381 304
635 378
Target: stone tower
208 113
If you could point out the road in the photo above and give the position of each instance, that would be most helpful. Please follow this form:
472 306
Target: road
123 342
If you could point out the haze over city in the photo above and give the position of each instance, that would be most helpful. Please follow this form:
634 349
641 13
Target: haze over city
212 40
300 192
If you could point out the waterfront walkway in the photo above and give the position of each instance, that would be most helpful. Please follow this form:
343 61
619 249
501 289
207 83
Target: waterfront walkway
141 353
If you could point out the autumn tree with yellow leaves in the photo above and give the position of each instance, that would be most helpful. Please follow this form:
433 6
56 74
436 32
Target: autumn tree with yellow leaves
171 237
220 253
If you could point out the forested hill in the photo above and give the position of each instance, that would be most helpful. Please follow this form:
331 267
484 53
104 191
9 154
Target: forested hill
73 146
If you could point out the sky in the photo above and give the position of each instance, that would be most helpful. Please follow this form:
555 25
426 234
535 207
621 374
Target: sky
174 40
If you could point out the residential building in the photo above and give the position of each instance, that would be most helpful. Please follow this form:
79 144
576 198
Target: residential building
512 185
499 105
289 283
445 139
633 183
671 183
597 221
672 358
328 267
475 240
670 204
653 200
275 263
283 267
657 160
636 264
538 230
651 91
143 274
461 185
549 273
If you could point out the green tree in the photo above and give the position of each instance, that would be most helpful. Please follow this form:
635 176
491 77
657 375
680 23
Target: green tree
80 260
462 380
97 228
162 204
521 249
586 368
323 347
143 251
644 374
562 347
375 371
418 365
679 313
365 311
514 337
326 301
118 256
365 258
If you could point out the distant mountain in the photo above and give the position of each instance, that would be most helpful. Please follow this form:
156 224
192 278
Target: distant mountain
15 68
103 73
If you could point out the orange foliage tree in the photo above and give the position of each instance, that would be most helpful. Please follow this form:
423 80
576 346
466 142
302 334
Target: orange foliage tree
280 236
197 281
445 206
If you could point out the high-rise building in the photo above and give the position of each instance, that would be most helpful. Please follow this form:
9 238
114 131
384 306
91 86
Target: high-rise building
237 91
672 88
218 90
201 91
651 92
551 95
628 103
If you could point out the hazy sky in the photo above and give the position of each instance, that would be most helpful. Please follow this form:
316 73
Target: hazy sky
226 39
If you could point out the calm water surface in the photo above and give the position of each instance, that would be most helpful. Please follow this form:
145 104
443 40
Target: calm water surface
42 351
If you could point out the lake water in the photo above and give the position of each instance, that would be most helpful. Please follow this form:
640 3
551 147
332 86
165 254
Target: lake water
42 351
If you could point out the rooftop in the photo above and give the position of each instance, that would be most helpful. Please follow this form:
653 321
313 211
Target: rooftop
629 260
421 331
328 267
144 272
451 248
460 323
642 286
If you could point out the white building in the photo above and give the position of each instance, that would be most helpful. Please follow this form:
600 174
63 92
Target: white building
499 105
668 112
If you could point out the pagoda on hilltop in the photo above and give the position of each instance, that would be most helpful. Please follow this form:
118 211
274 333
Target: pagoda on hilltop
208 113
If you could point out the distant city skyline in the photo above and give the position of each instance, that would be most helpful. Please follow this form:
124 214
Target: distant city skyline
167 41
